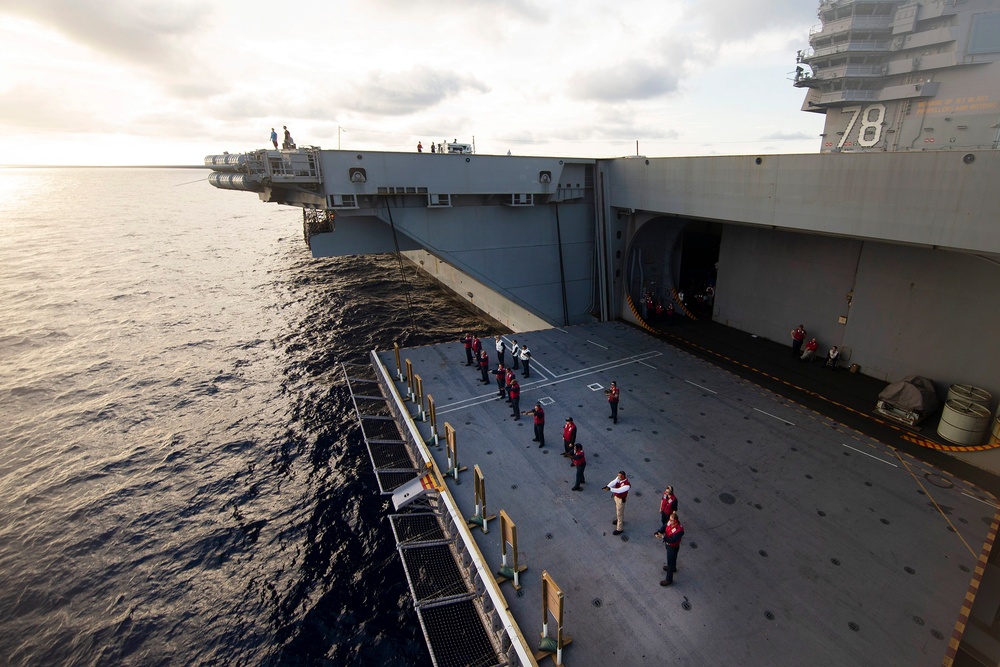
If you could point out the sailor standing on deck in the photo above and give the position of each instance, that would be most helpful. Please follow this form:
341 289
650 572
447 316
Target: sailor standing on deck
619 487
477 347
500 349
613 396
539 416
672 532
484 366
526 360
515 354
274 138
569 436
509 380
501 374
580 463
798 335
668 505
468 349
514 391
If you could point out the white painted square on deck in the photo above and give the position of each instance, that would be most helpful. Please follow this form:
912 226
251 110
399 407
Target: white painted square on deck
546 401
595 387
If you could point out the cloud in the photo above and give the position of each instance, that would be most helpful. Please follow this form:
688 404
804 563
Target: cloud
400 93
741 20
787 136
631 80
32 107
149 33
434 9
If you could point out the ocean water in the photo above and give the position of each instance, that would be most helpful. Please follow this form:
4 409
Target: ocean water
182 480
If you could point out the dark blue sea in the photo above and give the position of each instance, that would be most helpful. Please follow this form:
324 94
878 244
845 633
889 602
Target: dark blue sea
182 480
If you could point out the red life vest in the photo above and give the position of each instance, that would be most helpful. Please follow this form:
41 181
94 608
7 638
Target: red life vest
569 432
514 390
672 534
613 395
539 416
668 504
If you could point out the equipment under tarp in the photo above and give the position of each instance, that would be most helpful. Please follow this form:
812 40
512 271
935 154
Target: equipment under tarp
909 400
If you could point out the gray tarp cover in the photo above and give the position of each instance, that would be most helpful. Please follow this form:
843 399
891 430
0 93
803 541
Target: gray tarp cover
913 393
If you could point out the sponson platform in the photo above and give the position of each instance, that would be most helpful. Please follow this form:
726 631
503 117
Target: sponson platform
806 541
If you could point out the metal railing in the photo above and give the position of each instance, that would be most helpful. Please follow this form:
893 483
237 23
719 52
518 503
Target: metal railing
486 597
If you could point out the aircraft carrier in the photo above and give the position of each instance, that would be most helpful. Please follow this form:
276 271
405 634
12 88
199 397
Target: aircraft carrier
884 243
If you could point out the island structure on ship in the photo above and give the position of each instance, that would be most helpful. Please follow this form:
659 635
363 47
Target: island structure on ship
885 242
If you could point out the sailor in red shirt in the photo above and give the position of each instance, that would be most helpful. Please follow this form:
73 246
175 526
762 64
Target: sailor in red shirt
619 487
580 463
468 349
672 532
539 424
509 380
668 505
484 366
477 347
501 374
798 336
514 391
810 350
569 436
613 396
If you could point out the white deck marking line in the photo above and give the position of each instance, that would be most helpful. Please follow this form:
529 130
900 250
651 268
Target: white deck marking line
608 365
583 371
985 502
478 400
775 416
706 389
648 366
598 345
890 463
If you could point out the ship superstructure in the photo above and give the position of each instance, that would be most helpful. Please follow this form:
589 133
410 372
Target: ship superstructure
892 75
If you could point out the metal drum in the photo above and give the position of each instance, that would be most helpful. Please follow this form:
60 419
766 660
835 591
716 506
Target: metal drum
995 434
963 422
966 393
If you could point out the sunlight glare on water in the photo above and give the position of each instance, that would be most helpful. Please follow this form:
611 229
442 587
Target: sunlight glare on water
182 478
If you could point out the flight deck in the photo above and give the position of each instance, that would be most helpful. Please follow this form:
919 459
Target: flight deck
806 542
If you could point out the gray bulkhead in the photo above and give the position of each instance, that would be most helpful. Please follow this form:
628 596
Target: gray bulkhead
894 255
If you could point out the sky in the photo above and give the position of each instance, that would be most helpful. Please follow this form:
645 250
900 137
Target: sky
156 82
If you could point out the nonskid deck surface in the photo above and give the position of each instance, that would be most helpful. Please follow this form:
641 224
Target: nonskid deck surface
806 542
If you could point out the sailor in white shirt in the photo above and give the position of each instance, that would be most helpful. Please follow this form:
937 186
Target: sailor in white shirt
500 349
515 353
526 358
